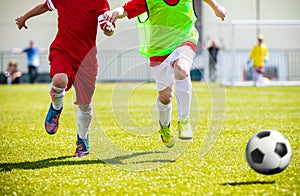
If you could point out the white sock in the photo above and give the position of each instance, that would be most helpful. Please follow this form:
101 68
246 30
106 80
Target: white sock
164 112
84 121
184 97
57 96
260 78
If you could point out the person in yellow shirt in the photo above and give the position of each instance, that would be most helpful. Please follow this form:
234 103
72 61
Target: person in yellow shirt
259 55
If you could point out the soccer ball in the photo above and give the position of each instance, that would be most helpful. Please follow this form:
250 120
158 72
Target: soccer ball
268 152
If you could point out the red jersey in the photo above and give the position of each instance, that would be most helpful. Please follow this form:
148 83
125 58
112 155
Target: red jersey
135 8
77 27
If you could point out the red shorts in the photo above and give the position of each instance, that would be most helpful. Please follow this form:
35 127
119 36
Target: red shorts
82 76
260 70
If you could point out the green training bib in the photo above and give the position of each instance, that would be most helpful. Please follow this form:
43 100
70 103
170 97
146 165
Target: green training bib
164 27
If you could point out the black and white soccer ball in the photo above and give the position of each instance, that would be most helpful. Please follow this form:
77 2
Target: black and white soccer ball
268 152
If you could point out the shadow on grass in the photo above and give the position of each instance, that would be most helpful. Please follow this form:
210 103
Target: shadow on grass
45 163
140 157
247 183
60 161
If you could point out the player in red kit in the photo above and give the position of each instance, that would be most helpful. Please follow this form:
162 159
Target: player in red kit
73 60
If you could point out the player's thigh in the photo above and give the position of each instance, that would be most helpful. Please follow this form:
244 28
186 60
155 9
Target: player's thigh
163 76
61 70
85 83
182 60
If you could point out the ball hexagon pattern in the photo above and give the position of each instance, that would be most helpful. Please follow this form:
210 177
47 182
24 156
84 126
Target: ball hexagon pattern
268 152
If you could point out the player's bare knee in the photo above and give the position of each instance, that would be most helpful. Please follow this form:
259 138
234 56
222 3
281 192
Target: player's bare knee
165 99
165 96
60 80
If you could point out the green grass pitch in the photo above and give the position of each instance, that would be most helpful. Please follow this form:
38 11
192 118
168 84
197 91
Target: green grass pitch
127 156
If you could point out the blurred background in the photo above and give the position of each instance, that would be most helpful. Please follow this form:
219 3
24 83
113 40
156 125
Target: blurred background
278 21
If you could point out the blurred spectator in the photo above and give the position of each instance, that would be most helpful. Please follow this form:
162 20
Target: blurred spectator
33 62
13 75
213 58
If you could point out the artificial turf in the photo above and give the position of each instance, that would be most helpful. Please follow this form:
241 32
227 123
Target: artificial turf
127 156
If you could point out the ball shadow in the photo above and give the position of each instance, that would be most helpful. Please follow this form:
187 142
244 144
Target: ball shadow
247 183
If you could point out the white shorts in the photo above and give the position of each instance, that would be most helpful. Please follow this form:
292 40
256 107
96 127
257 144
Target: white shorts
163 73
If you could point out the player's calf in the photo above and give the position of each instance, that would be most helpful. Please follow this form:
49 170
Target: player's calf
55 109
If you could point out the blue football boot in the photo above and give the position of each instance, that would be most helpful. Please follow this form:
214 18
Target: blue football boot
82 148
51 121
